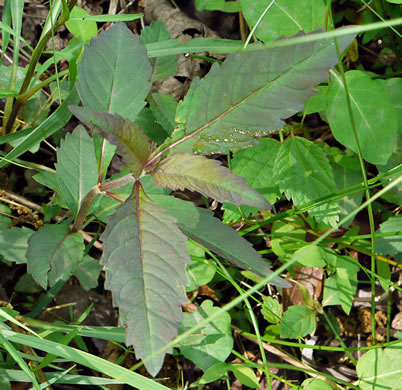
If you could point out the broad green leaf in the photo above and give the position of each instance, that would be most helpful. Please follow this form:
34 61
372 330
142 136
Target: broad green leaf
284 18
26 284
87 272
48 127
375 117
114 73
76 168
310 256
298 321
200 225
214 373
151 127
83 30
316 384
14 244
53 254
208 177
271 310
145 256
164 108
340 289
380 369
4 221
304 174
391 245
218 5
231 102
130 140
256 166
218 344
245 375
317 102
162 66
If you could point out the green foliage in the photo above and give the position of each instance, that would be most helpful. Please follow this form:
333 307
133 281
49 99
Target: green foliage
298 321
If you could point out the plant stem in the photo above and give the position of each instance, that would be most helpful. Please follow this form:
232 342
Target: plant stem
85 206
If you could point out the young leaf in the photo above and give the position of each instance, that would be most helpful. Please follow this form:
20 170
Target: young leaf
150 126
297 321
375 117
208 177
284 18
271 310
145 256
164 66
201 226
310 256
304 174
14 244
217 344
87 272
83 30
114 73
231 101
130 140
53 254
76 169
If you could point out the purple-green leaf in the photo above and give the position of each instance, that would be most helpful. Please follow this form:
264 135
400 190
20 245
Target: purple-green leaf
208 177
145 257
129 138
53 254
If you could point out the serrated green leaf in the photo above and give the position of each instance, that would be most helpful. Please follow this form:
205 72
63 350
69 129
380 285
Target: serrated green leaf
218 343
297 321
374 126
14 244
162 66
256 166
53 254
87 272
202 227
164 108
129 138
380 369
114 73
83 30
76 168
208 177
285 17
145 256
231 101
271 310
304 174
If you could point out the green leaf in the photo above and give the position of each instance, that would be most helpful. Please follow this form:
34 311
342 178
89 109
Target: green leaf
391 245
380 369
340 289
114 73
148 123
218 5
76 169
14 244
232 104
48 127
304 174
110 18
271 310
218 343
87 272
144 258
53 254
162 66
256 166
200 225
316 384
164 108
310 256
208 177
297 321
376 126
284 18
245 375
214 373
83 30
130 140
